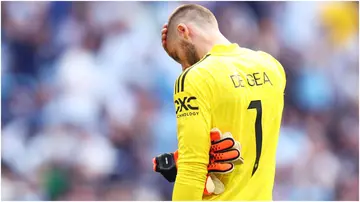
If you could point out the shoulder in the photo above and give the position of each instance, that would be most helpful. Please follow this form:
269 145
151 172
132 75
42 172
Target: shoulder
269 58
274 63
196 75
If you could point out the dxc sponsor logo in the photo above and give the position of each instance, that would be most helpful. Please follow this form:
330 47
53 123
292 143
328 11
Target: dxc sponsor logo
185 104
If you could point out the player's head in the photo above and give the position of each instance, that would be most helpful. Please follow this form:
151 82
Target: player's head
189 27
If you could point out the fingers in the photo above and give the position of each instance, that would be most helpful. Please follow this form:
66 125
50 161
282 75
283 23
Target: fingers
220 141
165 161
223 144
238 160
176 155
215 134
154 164
224 148
230 155
220 168
163 41
164 34
227 156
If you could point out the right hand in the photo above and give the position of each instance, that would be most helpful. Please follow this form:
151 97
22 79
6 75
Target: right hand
224 153
164 35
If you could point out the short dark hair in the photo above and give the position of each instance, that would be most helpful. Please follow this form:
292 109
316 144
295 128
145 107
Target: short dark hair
191 12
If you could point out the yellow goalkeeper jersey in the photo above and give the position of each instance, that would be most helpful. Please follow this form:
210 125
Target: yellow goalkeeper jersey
236 90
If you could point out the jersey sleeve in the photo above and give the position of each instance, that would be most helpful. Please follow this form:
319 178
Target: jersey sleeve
192 100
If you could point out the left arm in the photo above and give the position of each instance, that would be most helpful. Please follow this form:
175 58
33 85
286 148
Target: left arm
192 103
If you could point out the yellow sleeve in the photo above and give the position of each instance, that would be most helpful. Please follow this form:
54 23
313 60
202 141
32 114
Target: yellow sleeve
192 103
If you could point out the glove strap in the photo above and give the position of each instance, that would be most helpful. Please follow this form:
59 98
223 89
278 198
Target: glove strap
165 164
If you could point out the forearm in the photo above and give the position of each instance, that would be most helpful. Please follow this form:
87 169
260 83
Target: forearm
190 182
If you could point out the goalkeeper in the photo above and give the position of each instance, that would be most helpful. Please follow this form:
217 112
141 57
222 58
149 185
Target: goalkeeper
235 89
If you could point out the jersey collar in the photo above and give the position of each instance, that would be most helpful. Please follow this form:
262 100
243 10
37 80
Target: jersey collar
222 48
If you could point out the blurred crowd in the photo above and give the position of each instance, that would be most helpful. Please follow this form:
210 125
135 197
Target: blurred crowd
86 96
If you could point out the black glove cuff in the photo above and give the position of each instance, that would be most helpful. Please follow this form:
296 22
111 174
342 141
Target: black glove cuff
166 165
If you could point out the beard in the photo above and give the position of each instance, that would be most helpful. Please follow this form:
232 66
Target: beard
190 52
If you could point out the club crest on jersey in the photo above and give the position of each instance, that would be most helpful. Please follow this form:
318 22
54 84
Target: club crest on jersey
185 104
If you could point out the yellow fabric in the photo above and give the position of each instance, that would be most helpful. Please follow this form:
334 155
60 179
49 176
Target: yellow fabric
216 92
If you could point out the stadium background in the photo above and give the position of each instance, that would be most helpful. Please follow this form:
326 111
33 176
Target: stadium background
86 96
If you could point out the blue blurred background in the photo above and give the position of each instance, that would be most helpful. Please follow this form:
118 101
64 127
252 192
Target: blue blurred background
86 96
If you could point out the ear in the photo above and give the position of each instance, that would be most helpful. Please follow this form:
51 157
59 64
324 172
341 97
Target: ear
183 30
